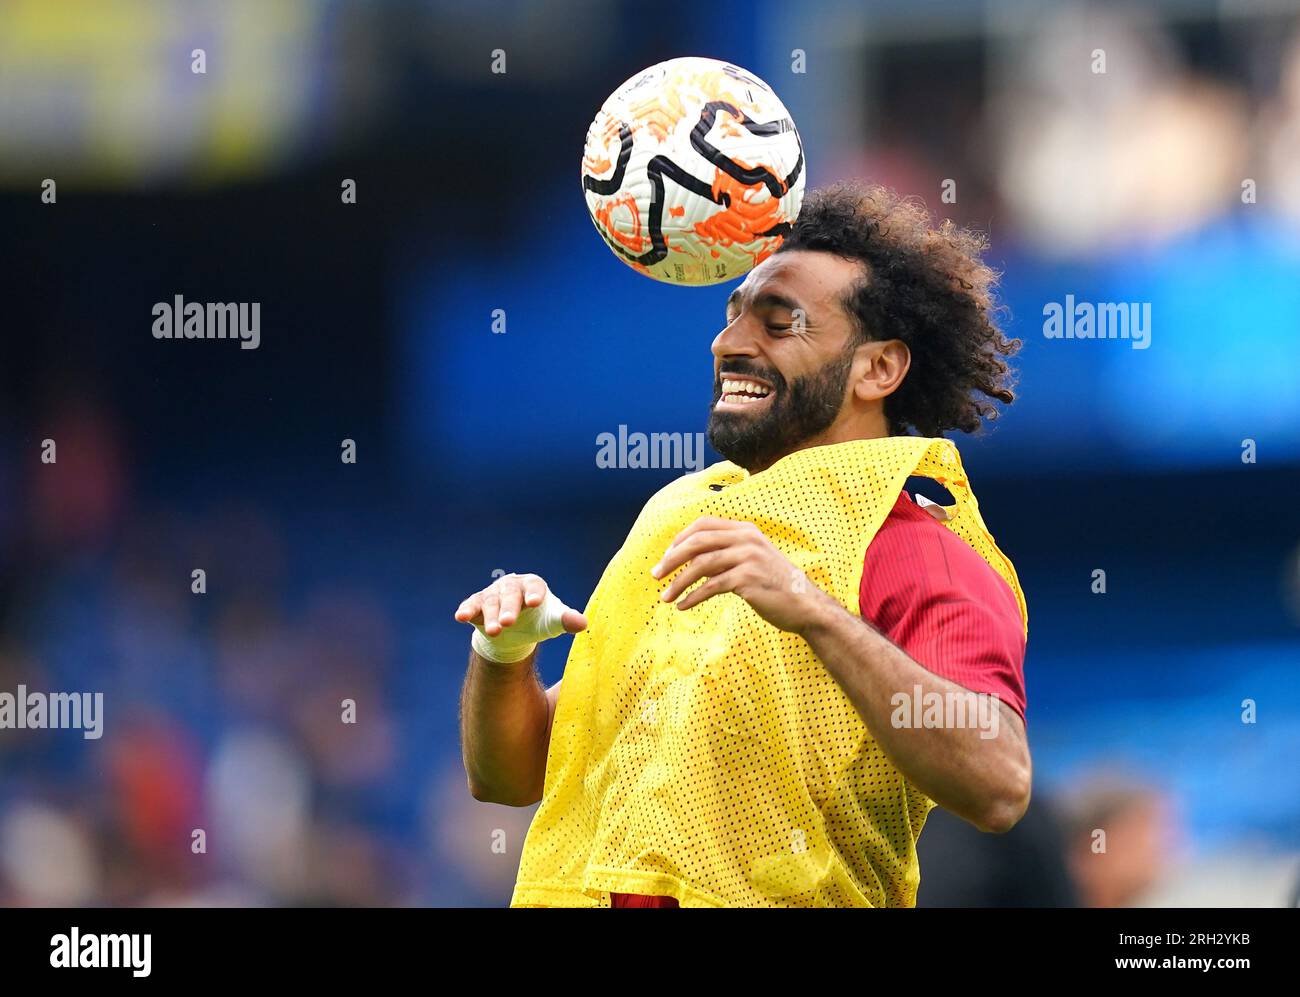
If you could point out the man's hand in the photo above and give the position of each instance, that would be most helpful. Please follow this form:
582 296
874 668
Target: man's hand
737 557
515 613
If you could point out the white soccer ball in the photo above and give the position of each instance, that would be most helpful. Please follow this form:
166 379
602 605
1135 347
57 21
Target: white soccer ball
693 171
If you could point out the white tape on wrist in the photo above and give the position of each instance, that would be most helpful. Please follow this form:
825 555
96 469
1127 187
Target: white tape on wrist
517 641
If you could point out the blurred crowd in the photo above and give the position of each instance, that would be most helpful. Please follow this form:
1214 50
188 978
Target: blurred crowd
1087 129
225 773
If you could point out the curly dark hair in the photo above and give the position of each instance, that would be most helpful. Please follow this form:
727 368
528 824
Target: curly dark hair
926 286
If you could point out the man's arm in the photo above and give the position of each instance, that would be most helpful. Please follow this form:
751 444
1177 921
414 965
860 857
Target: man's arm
984 780
505 712
505 731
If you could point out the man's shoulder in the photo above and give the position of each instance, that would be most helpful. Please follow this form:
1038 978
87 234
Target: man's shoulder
913 546
915 516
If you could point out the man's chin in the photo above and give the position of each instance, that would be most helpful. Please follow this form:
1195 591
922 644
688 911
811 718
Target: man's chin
729 428
739 448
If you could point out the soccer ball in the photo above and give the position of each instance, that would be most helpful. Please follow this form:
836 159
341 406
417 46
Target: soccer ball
693 171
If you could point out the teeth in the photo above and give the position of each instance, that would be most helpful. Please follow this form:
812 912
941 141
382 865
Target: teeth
734 390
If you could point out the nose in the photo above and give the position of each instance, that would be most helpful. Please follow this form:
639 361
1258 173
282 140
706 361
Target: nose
736 340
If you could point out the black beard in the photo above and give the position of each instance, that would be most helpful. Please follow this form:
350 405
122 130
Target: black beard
798 412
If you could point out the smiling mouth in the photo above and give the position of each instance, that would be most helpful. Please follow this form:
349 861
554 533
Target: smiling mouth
743 391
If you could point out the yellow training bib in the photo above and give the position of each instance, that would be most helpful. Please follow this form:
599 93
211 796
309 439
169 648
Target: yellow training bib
708 756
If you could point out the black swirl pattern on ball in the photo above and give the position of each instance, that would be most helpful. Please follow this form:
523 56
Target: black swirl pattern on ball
661 166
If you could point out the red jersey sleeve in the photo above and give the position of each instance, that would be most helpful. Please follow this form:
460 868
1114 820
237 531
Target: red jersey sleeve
929 592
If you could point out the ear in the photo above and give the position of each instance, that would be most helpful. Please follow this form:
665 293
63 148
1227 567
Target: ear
886 365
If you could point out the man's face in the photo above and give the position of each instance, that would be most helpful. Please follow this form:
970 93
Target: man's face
781 366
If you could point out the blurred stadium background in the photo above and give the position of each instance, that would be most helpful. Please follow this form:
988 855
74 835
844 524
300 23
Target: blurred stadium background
476 451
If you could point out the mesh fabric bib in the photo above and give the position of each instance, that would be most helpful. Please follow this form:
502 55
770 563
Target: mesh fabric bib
706 755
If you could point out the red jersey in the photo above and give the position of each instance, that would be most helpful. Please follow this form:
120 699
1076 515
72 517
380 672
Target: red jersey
930 593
